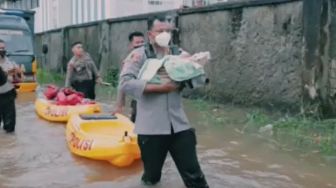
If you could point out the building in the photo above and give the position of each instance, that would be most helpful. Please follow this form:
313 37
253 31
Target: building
91 10
19 4
53 14
196 3
219 1
133 7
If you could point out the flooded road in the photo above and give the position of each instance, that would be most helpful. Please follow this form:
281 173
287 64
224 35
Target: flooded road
36 156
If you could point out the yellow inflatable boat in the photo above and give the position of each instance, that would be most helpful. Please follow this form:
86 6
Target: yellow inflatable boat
103 137
26 87
58 113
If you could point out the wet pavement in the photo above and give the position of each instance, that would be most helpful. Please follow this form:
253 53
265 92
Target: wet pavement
36 156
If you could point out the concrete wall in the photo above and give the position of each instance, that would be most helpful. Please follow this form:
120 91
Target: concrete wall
55 54
256 47
332 47
257 51
319 76
119 39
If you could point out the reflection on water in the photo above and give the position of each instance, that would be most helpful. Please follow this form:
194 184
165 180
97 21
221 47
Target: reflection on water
37 156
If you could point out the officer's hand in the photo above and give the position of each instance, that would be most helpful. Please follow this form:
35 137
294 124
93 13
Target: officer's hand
99 80
161 88
11 72
118 110
169 87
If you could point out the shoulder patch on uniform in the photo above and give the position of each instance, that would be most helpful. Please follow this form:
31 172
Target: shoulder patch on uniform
136 56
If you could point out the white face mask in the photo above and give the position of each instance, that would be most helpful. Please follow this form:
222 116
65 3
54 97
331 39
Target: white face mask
163 39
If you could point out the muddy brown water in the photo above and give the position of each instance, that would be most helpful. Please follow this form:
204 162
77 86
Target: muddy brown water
36 156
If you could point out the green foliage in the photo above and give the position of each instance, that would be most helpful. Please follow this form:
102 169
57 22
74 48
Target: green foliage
303 131
112 76
257 118
48 77
106 93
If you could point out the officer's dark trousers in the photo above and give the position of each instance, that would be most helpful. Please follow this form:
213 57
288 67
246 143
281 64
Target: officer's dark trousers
87 87
133 110
182 148
7 110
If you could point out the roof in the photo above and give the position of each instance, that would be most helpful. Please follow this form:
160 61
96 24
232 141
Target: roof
13 22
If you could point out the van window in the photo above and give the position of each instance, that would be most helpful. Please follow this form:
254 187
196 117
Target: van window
17 41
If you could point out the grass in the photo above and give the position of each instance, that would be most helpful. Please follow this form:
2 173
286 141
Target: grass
113 76
210 113
106 93
304 132
291 132
48 77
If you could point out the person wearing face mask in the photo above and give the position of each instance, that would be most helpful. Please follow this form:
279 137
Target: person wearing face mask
82 73
8 71
161 123
136 40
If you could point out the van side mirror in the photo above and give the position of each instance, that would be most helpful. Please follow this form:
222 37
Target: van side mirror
45 48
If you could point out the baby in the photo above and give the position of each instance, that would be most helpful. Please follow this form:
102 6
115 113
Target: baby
178 68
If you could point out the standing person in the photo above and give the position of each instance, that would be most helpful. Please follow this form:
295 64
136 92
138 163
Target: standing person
82 73
136 39
9 72
161 123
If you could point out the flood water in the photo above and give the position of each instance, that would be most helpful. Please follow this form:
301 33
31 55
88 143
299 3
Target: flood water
36 156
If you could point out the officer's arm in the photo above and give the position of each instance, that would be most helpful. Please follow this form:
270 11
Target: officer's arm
17 72
120 104
129 84
121 96
161 88
68 74
96 73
